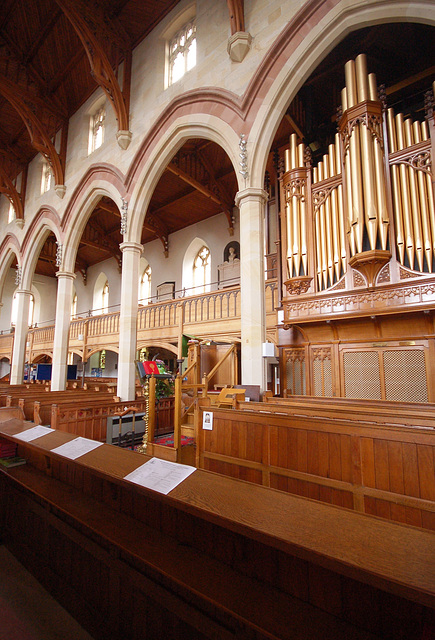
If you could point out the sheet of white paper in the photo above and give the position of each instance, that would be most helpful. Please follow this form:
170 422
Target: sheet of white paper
76 448
207 420
33 433
160 475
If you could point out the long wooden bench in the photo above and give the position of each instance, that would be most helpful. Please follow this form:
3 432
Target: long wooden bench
377 411
216 558
384 470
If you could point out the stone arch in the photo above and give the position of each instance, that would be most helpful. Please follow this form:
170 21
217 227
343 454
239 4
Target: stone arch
99 181
147 172
9 249
46 222
326 29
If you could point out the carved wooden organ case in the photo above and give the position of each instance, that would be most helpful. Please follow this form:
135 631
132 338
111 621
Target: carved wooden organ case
358 254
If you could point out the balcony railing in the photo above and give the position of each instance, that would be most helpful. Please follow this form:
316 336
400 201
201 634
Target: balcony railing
215 306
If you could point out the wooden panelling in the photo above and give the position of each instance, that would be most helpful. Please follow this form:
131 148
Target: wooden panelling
216 558
385 470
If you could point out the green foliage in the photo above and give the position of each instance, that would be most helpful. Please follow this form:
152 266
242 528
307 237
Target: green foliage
164 388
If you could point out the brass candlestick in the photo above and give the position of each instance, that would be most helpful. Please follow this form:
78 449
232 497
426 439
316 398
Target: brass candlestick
146 393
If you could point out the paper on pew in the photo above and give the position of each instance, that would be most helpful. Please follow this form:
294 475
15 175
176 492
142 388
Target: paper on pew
160 475
33 433
76 448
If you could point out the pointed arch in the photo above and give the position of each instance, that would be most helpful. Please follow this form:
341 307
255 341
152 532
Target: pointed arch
99 180
328 24
9 249
152 162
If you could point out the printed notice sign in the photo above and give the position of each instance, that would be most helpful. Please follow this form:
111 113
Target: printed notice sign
160 475
76 448
33 433
207 420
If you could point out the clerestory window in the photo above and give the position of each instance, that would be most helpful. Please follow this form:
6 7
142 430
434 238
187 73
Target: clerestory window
47 178
182 52
96 136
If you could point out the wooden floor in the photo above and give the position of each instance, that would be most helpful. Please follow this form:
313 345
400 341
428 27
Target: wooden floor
27 611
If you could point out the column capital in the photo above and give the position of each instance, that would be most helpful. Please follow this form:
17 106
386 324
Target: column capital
131 246
65 274
25 291
251 193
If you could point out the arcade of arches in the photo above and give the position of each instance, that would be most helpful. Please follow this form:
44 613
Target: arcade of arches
285 197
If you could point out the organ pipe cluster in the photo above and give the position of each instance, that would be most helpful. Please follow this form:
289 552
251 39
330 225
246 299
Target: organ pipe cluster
339 211
412 191
296 198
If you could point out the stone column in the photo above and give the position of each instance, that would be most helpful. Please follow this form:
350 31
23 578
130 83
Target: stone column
251 203
131 253
20 336
65 282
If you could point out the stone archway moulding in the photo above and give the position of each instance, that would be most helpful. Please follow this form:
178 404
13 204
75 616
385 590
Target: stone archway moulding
147 174
9 248
300 52
99 181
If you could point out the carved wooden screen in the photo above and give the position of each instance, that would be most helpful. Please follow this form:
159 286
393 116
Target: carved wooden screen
405 375
386 373
295 376
322 372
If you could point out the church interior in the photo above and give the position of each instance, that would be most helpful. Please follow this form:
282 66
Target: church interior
217 315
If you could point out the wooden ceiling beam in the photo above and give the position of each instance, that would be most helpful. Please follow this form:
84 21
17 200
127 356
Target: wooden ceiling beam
78 14
237 15
8 189
195 184
39 137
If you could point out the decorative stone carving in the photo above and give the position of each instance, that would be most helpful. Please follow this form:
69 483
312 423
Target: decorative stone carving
238 45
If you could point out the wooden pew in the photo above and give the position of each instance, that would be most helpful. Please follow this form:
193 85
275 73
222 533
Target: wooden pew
216 558
385 470
88 420
376 411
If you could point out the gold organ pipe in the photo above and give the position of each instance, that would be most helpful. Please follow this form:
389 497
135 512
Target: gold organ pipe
429 183
373 88
317 232
354 159
340 205
303 213
296 256
289 239
404 193
395 187
323 245
383 220
349 198
328 226
422 198
415 204
287 160
334 214
367 155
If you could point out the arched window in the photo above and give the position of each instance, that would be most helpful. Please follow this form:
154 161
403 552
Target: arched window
182 52
47 178
105 298
145 286
201 271
96 133
14 312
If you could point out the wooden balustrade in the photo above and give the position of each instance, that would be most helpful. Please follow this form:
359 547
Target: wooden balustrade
198 313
